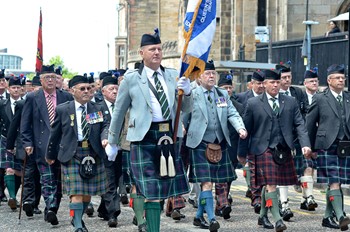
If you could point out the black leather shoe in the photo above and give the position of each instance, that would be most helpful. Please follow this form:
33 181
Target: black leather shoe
134 220
248 193
280 226
103 216
286 214
344 221
28 208
264 221
257 208
177 215
224 212
84 229
36 210
124 199
330 223
214 225
309 204
12 203
113 222
51 217
193 203
142 227
90 210
201 222
229 198
79 230
3 198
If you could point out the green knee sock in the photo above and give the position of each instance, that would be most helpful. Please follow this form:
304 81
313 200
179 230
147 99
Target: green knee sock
329 208
138 207
263 210
153 216
10 184
77 213
336 200
271 198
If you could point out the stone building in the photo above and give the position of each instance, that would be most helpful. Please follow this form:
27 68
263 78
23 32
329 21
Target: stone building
236 21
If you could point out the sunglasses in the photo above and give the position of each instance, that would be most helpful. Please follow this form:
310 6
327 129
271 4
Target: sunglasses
82 89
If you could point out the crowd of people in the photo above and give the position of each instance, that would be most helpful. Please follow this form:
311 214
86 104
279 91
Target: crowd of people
96 137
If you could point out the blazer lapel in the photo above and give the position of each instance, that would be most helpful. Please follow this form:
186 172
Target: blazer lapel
281 102
73 117
171 88
41 103
200 97
266 104
143 84
8 109
218 109
332 102
346 103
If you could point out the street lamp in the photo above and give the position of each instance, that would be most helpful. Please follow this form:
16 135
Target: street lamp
307 43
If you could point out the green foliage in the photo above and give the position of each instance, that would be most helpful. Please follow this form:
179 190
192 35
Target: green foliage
66 73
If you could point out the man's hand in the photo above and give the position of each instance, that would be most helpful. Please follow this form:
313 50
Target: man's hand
49 161
29 150
184 84
242 133
111 151
242 160
104 143
307 152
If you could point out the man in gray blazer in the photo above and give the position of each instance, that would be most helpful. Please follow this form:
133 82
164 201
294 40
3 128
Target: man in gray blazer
149 94
212 110
328 126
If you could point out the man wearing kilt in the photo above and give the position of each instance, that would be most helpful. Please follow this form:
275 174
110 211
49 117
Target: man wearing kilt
329 131
9 160
77 138
270 120
212 110
149 94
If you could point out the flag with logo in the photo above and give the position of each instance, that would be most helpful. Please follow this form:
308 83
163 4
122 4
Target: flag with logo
199 31
39 52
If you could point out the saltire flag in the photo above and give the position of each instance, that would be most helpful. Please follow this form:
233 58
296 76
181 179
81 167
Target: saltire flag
39 52
199 31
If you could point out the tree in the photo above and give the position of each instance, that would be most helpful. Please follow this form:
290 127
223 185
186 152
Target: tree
57 61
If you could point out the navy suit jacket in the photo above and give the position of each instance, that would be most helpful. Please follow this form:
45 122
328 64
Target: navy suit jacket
244 96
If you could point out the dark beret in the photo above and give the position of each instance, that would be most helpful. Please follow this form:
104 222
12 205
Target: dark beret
335 68
258 75
272 74
109 80
310 74
225 79
78 79
104 74
209 65
249 78
148 39
121 72
15 81
36 81
58 70
284 67
2 73
48 69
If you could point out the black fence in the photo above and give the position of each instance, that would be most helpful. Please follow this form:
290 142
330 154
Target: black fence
325 51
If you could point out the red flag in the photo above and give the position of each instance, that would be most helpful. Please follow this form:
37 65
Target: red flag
39 52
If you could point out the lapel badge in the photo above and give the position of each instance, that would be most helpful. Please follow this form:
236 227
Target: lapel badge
72 120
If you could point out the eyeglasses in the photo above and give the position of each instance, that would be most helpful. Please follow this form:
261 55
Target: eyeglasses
82 89
338 78
49 77
210 73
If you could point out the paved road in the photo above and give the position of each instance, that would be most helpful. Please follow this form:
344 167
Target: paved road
242 217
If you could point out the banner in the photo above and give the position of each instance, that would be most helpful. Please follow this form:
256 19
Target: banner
39 52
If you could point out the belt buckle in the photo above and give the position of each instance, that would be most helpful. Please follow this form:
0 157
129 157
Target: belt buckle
84 144
164 127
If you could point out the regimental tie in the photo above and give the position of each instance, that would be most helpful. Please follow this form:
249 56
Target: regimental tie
340 100
162 97
50 109
112 107
286 93
84 125
209 97
275 107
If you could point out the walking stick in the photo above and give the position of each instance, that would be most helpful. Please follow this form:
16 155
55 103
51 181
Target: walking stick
22 182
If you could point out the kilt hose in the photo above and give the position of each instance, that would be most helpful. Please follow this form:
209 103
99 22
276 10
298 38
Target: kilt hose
331 168
269 173
201 170
144 163
221 192
74 184
127 175
7 159
255 189
300 162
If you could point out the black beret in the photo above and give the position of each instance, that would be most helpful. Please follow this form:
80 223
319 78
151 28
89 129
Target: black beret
103 75
2 73
310 74
272 74
258 75
36 81
22 79
15 81
121 72
249 78
48 69
58 70
78 80
109 80
137 65
148 39
225 79
335 68
209 65
284 67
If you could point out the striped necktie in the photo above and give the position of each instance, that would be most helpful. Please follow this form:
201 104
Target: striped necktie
162 97
275 107
50 109
84 125
340 100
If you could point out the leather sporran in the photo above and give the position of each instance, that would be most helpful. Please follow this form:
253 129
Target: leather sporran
343 149
213 153
87 167
280 155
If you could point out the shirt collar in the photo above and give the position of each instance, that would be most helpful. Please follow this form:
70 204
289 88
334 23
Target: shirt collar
77 105
150 72
52 95
269 96
335 94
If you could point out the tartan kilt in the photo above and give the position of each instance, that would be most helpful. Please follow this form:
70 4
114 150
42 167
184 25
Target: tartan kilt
332 169
75 185
201 170
300 162
127 175
145 171
267 172
7 159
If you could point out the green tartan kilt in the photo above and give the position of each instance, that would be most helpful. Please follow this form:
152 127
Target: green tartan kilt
75 185
7 159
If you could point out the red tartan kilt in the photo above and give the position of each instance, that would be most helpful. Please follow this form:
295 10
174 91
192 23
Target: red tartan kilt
267 172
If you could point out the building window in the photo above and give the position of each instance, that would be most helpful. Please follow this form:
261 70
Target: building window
261 13
121 56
